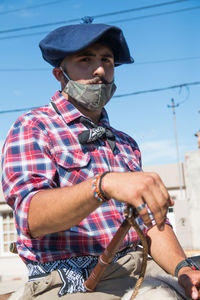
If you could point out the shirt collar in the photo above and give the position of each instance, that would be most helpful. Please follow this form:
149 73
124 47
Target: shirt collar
70 113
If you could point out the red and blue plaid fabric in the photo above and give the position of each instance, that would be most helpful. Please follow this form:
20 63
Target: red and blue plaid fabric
42 152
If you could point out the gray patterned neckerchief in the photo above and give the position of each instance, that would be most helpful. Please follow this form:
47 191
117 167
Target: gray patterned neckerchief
96 132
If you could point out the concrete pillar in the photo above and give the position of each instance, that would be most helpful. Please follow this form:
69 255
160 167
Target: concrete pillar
192 180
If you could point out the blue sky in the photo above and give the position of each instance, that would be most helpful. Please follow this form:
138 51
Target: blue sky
166 49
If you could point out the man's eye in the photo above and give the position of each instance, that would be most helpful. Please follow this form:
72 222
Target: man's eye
86 59
106 59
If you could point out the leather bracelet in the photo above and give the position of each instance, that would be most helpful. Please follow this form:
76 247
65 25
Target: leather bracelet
182 264
101 186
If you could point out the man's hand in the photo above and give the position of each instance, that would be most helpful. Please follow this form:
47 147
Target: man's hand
190 281
137 188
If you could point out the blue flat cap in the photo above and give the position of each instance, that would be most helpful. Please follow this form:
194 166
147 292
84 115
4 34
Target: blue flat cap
67 40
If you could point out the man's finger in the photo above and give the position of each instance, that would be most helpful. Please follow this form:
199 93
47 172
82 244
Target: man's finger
157 207
190 288
144 214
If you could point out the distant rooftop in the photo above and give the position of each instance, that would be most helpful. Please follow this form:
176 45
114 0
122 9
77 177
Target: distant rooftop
169 174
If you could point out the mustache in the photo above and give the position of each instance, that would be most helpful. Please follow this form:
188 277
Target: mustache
98 79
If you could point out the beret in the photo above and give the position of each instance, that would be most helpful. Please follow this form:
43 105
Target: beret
67 40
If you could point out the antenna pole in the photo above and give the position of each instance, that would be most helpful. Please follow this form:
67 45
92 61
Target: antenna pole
173 106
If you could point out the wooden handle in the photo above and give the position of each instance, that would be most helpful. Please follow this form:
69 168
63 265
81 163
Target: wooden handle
107 256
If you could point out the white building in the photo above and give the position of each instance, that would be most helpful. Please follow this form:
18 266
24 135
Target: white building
185 190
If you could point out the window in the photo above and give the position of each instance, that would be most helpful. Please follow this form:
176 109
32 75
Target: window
8 232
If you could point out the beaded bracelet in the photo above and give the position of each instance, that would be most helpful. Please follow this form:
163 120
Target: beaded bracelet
97 189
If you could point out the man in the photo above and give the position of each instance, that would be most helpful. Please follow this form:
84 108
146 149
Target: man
68 175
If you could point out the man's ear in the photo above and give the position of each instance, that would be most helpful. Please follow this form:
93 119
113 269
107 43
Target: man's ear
57 72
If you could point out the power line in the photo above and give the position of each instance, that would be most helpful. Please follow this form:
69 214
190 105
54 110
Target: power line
95 17
111 22
30 7
23 35
166 60
136 64
117 96
156 15
159 89
25 70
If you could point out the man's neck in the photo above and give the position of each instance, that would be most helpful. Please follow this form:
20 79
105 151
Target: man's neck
94 116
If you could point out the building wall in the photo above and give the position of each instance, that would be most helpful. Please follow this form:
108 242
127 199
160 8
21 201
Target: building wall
11 265
192 177
173 176
12 268
170 175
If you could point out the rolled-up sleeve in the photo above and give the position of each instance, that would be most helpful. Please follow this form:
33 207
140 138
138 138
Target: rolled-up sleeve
27 167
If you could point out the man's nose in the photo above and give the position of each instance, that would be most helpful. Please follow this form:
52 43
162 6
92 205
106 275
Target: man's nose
99 70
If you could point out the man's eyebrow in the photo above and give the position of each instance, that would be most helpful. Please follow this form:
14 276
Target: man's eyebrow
108 55
85 53
90 53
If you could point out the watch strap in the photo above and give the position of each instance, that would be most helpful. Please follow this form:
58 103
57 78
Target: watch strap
182 264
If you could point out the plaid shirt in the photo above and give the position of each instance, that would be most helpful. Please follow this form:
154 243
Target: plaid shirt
42 152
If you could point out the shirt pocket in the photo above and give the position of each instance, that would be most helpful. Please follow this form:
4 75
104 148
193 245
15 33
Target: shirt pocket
72 159
73 166
131 162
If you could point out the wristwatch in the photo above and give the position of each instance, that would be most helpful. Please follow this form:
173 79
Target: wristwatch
184 263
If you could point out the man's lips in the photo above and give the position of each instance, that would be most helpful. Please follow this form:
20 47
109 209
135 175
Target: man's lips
97 80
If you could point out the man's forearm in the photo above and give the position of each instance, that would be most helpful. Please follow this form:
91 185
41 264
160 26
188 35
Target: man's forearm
58 209
165 248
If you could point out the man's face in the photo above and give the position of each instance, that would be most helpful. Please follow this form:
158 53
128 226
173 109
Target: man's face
94 64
